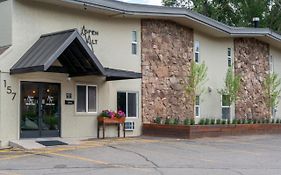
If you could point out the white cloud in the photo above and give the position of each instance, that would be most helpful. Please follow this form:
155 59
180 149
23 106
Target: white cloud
150 2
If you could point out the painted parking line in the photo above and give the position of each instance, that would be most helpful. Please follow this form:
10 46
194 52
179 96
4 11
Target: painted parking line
79 158
8 173
56 150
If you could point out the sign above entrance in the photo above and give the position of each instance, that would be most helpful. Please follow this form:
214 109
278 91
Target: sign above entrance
89 35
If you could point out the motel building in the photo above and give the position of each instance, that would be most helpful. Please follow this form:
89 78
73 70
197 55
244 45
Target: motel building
64 61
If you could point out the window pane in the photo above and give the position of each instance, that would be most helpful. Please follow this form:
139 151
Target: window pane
197 45
229 52
225 100
197 100
81 98
229 62
134 36
92 99
197 57
121 101
134 48
226 113
132 105
197 111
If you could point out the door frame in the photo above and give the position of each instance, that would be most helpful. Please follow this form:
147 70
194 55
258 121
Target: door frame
33 134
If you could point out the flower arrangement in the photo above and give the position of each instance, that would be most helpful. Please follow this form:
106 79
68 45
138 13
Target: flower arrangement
107 114
112 114
120 114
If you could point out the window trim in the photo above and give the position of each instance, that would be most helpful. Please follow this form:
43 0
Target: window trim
197 106
87 98
134 42
230 117
229 57
271 64
197 52
137 103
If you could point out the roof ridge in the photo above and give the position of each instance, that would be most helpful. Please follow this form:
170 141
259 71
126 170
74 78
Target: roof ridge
59 32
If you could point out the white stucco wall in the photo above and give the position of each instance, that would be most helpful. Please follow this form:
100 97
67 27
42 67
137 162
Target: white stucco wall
32 19
276 55
5 23
214 52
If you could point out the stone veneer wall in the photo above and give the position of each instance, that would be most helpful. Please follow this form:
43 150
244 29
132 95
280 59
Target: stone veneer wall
167 51
252 63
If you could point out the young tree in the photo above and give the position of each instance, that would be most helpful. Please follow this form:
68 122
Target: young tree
272 91
196 79
232 87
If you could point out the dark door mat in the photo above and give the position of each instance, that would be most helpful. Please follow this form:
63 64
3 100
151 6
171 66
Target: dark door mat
51 143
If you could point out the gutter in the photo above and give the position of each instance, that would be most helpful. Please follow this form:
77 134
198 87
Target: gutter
146 10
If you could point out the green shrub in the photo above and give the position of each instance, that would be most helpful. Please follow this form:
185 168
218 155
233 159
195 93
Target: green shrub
207 121
176 121
223 122
267 120
186 121
167 121
278 120
273 121
218 121
201 121
157 120
234 121
239 121
250 121
228 121
213 121
255 121
192 121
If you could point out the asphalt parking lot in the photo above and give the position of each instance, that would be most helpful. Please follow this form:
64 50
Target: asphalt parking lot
247 155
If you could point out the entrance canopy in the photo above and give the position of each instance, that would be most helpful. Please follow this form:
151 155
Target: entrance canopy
66 52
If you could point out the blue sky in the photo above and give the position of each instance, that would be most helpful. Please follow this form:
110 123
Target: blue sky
151 2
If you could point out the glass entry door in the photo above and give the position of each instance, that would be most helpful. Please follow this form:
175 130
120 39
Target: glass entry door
40 110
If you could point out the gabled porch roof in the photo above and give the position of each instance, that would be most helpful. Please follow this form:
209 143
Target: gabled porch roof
73 54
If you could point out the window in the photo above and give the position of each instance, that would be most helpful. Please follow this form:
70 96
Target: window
271 64
86 98
129 126
229 59
134 42
128 103
225 107
197 51
197 106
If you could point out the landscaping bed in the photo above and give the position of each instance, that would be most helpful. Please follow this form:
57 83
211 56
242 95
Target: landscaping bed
199 131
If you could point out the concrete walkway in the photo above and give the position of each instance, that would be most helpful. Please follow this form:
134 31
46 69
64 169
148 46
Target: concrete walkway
33 143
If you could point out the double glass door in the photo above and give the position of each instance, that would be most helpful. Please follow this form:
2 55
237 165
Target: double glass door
40 110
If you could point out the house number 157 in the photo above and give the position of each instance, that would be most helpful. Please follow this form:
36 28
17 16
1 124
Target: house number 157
9 90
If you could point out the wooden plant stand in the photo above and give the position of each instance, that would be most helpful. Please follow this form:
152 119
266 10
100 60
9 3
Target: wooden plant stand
103 121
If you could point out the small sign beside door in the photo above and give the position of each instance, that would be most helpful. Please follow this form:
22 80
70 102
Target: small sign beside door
69 102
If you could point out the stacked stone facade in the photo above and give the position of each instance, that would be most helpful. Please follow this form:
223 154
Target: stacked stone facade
252 63
167 51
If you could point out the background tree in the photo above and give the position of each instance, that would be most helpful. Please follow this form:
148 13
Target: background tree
196 79
272 91
237 13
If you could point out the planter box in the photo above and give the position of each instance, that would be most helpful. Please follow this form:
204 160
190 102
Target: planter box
199 131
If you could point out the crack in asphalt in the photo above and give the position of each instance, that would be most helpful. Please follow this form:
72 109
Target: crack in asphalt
140 155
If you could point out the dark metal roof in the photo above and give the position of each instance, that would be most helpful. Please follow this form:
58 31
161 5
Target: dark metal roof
116 74
72 52
3 49
68 47
149 11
